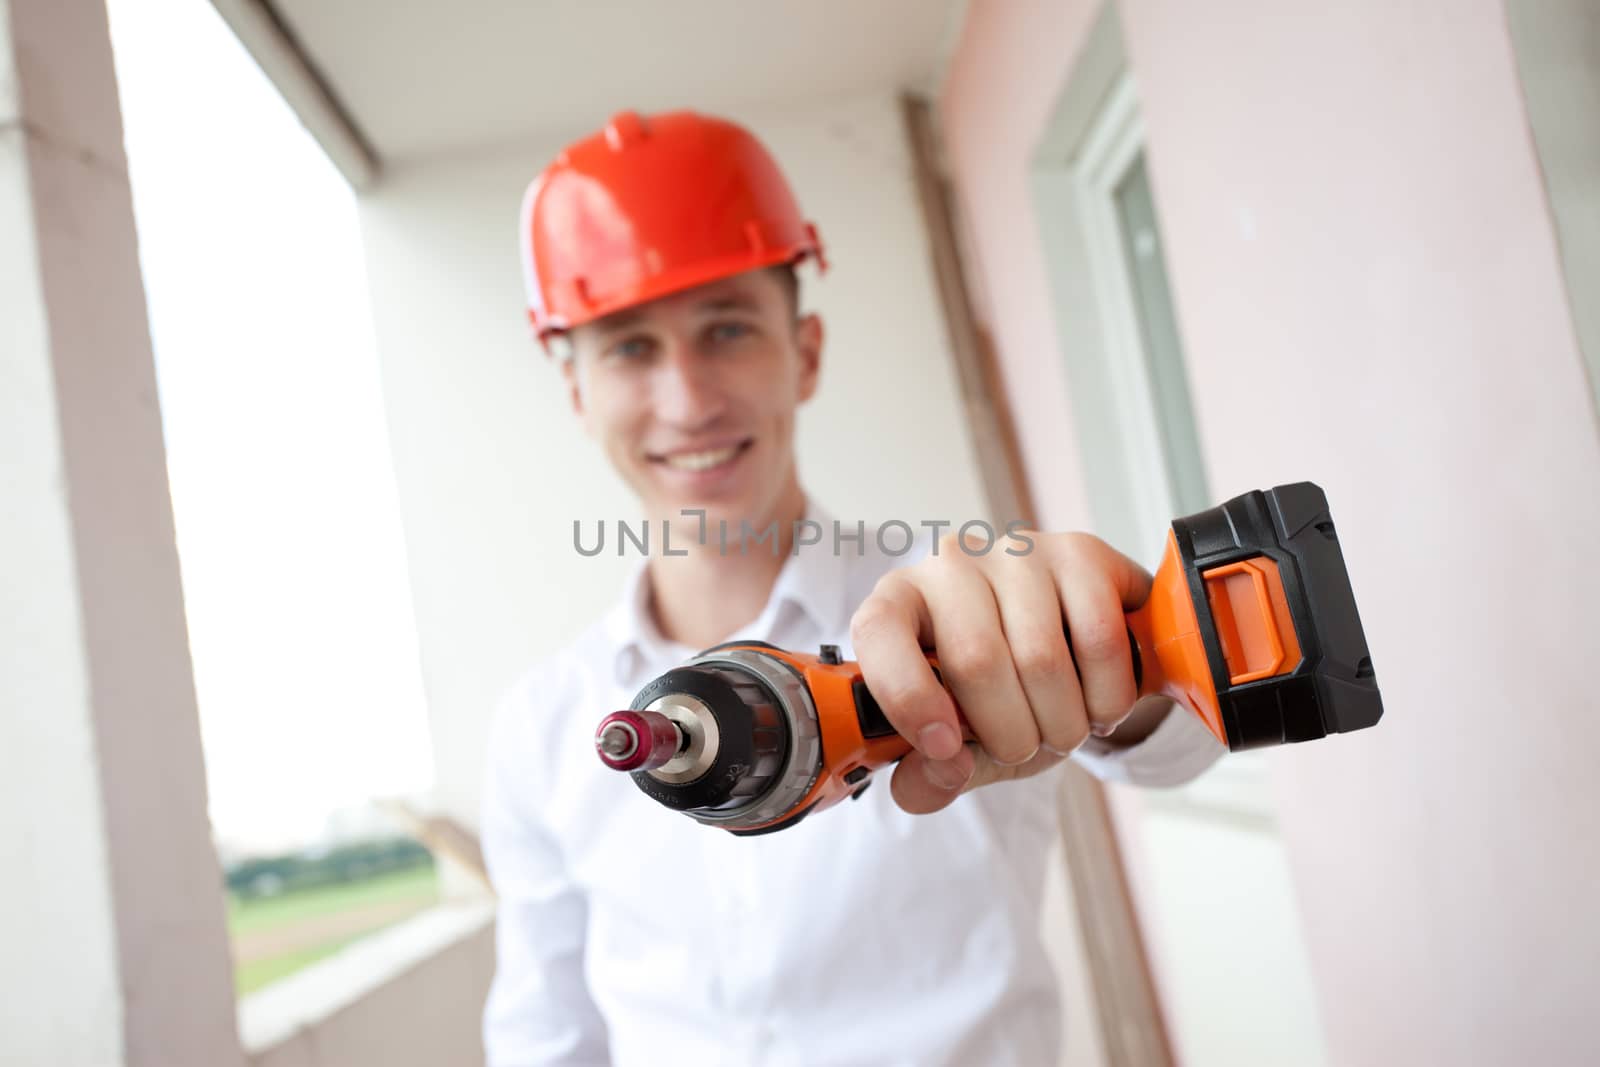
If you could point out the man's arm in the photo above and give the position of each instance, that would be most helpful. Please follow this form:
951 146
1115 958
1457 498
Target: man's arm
539 1010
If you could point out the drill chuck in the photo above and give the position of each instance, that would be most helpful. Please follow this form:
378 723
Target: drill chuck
730 738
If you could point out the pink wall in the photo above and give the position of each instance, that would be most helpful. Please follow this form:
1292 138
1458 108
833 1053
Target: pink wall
1370 296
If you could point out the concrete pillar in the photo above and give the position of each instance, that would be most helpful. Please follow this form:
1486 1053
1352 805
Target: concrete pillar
111 908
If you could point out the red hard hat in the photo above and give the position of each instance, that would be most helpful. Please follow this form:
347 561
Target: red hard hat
650 206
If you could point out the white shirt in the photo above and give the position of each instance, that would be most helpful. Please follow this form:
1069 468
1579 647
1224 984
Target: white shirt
631 934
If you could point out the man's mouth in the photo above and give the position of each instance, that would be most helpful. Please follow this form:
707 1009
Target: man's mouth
703 459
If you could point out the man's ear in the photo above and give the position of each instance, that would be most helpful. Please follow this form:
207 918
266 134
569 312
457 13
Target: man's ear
808 338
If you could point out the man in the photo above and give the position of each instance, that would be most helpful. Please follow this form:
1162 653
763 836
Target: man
660 258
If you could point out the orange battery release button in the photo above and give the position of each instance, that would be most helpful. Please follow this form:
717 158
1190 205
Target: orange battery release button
1252 618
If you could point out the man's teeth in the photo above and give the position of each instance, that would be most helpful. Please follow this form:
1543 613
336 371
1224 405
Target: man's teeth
700 461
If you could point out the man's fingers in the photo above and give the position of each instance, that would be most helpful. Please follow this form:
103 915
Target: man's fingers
887 631
1096 619
921 785
975 660
1131 581
920 789
1028 697
1035 630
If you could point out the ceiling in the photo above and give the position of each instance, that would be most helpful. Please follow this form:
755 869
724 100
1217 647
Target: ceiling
420 77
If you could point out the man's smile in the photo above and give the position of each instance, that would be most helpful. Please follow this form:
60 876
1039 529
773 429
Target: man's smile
703 458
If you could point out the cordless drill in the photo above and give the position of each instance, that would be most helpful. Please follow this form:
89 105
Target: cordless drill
1251 624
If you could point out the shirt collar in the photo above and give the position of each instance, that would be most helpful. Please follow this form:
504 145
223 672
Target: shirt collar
812 579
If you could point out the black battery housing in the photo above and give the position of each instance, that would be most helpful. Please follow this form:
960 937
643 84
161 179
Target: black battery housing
1334 688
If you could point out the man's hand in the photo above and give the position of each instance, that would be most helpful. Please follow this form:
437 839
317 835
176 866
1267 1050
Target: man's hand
995 621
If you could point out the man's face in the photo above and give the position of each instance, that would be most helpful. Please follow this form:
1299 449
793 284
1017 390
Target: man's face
693 396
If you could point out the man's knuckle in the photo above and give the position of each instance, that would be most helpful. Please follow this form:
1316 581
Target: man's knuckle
1100 640
891 588
971 657
1075 546
1089 544
1042 655
871 620
953 552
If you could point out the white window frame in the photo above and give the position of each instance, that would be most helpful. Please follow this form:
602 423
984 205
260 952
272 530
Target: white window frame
1109 151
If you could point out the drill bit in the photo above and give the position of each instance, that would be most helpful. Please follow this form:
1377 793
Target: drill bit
617 741
637 740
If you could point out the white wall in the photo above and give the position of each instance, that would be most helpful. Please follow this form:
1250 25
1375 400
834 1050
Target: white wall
492 468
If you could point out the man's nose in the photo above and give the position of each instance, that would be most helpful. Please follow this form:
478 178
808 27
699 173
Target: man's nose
687 390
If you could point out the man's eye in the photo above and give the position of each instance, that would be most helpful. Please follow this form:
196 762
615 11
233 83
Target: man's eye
728 331
632 348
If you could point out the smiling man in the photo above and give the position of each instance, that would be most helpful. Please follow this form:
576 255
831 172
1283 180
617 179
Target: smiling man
660 257
714 432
